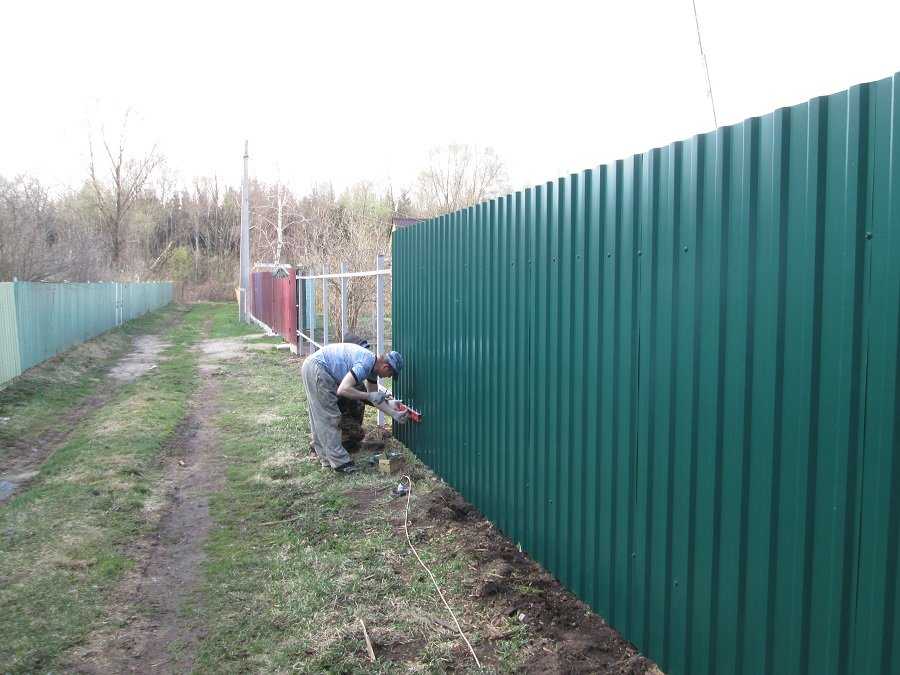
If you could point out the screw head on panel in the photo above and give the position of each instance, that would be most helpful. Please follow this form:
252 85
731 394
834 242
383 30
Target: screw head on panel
869 235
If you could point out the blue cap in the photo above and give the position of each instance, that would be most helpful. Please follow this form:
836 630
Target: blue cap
395 361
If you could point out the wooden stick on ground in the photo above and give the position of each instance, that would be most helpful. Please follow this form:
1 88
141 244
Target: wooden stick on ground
286 520
368 641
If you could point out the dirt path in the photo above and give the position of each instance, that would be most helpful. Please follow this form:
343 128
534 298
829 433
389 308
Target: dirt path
145 629
142 359
26 457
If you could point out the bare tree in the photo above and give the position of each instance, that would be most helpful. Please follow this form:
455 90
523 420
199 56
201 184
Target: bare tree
127 177
459 176
274 220
27 231
42 239
352 228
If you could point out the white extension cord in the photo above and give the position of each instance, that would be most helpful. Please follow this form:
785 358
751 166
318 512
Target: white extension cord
433 580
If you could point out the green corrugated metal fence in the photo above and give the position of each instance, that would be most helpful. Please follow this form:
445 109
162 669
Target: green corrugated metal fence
38 320
674 379
10 363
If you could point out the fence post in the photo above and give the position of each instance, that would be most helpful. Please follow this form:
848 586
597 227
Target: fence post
324 307
312 314
298 309
379 315
343 303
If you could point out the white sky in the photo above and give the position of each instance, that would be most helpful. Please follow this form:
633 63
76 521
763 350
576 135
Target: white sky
344 91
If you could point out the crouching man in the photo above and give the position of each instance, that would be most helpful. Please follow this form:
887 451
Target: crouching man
333 371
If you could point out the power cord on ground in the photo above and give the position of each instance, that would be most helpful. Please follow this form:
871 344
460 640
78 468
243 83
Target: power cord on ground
433 580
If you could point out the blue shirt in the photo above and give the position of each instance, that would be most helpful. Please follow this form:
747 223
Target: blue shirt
346 357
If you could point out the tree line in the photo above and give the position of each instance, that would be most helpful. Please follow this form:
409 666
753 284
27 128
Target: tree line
131 219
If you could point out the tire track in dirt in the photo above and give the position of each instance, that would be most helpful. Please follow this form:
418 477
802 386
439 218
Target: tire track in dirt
22 464
144 629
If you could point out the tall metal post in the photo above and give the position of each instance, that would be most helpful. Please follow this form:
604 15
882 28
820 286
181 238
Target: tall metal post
343 303
243 307
379 315
300 297
311 289
324 308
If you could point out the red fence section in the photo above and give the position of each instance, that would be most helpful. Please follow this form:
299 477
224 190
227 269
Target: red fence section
273 300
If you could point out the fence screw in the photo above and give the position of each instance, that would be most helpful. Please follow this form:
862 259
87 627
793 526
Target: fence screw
685 249
868 235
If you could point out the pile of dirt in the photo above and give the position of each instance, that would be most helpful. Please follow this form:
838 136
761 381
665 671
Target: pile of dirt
446 504
376 439
566 636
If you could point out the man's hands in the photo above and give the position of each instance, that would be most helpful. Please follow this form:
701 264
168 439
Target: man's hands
376 397
347 389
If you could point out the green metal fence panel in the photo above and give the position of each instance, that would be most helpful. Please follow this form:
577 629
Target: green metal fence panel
39 320
674 379
10 363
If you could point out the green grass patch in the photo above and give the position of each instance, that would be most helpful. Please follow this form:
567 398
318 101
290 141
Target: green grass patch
225 320
288 595
296 556
33 402
63 540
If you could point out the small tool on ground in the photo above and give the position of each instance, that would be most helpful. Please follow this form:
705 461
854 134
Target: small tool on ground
390 462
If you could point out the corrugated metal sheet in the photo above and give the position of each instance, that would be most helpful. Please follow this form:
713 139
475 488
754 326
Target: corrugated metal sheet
674 379
273 300
47 319
10 363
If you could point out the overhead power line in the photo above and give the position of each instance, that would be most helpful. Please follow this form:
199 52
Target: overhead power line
709 90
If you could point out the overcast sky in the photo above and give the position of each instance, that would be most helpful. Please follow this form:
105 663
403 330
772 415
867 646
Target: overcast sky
344 91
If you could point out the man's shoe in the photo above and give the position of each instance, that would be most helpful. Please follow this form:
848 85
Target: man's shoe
346 468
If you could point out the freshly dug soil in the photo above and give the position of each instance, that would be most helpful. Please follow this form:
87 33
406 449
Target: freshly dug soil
566 636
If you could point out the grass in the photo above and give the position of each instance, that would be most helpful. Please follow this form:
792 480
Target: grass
33 402
63 540
224 321
296 556
288 595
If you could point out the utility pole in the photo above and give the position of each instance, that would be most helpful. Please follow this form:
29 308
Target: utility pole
243 307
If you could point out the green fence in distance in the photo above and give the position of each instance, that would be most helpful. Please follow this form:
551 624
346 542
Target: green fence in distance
39 320
674 380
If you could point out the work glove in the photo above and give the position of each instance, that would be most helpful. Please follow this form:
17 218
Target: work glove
376 397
